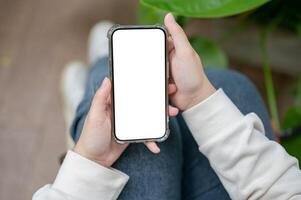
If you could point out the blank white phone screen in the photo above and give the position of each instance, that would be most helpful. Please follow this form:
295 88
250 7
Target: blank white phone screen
138 57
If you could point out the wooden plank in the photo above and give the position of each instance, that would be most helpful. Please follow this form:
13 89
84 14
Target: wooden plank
37 37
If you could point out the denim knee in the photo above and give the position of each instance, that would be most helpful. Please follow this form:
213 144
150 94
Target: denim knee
242 92
230 80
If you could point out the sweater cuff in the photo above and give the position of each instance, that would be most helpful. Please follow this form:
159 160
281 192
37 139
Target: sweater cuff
82 178
206 119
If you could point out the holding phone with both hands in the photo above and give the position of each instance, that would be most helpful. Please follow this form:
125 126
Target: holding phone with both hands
139 74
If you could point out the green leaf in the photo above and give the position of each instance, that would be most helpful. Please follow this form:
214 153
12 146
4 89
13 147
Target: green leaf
205 8
292 117
211 54
287 12
149 15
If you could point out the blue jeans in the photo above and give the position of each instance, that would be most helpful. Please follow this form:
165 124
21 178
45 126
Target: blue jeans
180 171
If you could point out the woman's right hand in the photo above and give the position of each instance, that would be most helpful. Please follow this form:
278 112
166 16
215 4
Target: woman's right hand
187 75
96 142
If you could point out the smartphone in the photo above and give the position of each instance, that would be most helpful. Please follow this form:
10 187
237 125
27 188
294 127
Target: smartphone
139 73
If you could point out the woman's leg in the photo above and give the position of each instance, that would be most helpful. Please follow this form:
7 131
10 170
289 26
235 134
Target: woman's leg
151 176
199 179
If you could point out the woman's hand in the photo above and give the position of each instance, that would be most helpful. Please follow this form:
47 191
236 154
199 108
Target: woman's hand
96 141
188 86
188 80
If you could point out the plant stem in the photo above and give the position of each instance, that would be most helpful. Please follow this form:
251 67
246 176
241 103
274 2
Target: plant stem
298 95
268 79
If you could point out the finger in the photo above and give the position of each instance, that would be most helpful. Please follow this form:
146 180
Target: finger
119 147
171 46
100 100
109 106
172 88
178 35
172 111
152 146
109 99
171 56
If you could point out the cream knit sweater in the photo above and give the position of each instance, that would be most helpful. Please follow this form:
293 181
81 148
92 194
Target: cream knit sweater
248 164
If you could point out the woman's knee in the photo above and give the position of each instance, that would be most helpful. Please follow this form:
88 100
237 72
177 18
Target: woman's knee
231 81
242 92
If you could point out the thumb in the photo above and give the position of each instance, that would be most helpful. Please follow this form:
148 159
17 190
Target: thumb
177 33
100 100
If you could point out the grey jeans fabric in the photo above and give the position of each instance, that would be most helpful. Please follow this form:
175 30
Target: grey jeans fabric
180 171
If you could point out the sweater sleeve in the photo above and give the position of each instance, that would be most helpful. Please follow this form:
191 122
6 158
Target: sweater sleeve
80 178
248 164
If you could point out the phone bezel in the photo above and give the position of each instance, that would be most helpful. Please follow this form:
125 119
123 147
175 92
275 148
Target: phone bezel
111 63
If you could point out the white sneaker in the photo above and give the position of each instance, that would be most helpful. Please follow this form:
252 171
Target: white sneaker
72 87
98 41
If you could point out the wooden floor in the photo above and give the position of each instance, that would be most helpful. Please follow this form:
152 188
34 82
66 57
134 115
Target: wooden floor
37 37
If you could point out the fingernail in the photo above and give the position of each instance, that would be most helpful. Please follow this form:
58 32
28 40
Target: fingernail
104 82
172 18
157 150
